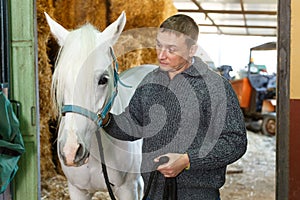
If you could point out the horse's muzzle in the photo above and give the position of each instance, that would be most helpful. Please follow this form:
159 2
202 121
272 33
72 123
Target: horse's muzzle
80 157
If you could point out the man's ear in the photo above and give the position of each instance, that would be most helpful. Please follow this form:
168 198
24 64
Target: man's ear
193 50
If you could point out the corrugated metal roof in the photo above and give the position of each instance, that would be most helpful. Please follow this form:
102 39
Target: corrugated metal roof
232 17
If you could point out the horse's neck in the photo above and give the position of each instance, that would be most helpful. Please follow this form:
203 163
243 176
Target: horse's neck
131 77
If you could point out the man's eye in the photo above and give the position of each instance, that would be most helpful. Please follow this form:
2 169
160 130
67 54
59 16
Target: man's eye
103 80
171 50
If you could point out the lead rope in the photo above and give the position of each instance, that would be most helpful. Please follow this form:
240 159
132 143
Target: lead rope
104 169
153 175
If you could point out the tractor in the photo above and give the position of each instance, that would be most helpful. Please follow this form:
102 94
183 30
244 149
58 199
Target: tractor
256 92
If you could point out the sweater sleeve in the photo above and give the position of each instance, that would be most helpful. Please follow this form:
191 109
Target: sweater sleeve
231 143
125 126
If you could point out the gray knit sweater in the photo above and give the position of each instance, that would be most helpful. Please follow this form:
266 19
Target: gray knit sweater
197 112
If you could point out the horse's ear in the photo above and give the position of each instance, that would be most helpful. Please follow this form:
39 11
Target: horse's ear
57 30
114 30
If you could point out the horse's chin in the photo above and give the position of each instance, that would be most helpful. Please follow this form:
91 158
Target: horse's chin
82 162
78 163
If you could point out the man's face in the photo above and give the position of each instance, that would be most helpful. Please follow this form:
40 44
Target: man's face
172 51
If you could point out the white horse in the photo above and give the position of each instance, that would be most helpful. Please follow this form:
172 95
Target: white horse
85 78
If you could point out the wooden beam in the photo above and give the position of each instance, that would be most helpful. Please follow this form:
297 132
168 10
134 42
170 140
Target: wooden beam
239 34
229 12
239 26
283 101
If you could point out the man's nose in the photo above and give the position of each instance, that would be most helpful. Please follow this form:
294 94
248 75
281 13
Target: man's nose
161 53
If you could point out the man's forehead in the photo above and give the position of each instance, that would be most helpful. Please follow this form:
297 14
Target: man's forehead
170 37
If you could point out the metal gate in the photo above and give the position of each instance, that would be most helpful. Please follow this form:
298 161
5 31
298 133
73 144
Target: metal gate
5 45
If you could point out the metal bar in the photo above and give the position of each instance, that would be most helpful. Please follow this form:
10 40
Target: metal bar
2 24
206 15
5 45
244 16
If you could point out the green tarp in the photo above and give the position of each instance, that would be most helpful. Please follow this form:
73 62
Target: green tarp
11 143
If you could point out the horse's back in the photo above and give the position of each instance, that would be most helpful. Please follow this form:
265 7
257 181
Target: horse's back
129 79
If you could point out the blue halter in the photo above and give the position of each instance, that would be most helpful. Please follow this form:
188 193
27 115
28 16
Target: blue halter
100 115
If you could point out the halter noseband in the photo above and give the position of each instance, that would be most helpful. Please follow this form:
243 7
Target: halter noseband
100 115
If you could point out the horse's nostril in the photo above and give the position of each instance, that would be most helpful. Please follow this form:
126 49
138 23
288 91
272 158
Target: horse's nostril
80 151
81 155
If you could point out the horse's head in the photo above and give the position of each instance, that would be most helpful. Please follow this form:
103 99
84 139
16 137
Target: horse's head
83 78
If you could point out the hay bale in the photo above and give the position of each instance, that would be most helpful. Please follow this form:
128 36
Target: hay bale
146 13
136 47
140 14
75 13
44 75
148 41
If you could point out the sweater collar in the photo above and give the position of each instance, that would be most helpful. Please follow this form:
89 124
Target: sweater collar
198 68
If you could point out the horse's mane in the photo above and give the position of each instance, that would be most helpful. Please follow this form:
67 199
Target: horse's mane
69 63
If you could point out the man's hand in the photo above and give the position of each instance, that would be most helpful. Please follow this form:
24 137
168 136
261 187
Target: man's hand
177 163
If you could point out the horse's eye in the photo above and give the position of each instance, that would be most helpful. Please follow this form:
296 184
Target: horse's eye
103 80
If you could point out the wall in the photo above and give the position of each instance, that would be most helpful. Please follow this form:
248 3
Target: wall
294 158
295 50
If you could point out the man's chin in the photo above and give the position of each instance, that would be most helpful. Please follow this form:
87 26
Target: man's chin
165 68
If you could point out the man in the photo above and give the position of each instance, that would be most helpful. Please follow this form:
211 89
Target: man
186 112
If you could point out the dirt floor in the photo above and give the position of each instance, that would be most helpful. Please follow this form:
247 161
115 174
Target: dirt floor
253 176
250 178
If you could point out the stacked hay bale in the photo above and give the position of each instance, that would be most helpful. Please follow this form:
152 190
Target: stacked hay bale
75 13
146 13
139 14
45 76
136 47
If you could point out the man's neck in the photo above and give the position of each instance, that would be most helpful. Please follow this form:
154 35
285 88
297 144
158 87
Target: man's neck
180 69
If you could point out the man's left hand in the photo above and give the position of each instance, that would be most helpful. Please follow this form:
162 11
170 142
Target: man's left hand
175 165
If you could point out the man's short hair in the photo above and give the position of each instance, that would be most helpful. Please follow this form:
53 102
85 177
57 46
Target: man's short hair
182 24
